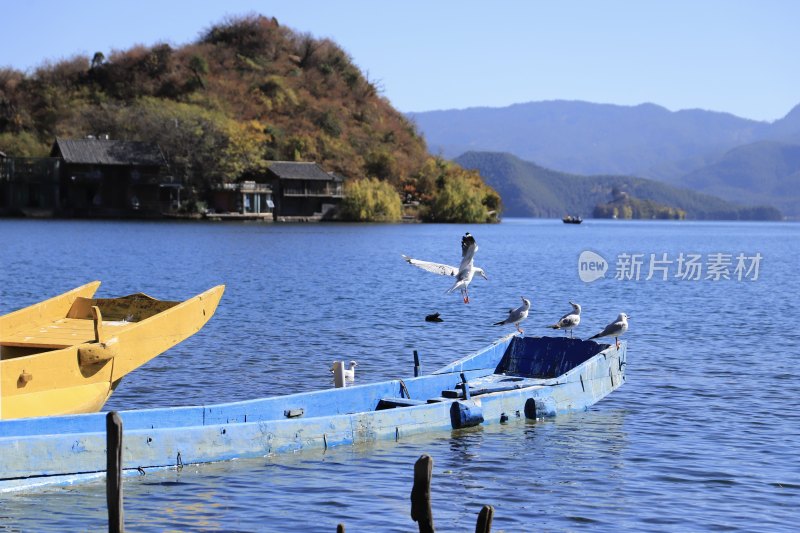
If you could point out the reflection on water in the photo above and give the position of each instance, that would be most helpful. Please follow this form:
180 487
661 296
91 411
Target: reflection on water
699 438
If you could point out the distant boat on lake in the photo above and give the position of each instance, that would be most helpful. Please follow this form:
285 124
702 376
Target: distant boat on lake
569 219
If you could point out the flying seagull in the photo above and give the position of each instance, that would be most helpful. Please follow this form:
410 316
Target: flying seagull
465 271
515 316
615 329
570 320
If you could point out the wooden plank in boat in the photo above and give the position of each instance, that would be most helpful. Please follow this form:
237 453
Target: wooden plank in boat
59 334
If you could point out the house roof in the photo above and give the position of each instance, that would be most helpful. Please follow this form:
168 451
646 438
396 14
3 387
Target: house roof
108 152
291 170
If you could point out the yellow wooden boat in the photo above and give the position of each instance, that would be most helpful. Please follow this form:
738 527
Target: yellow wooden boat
68 354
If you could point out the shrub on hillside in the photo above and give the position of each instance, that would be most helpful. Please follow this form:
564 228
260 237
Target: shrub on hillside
371 200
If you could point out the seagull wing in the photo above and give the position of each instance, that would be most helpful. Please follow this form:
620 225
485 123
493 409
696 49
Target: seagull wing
515 315
569 320
614 329
436 268
468 249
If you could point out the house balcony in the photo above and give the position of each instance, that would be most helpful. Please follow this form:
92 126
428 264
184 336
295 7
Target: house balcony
247 187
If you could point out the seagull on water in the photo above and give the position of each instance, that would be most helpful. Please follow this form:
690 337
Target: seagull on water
465 271
615 329
435 317
569 321
515 316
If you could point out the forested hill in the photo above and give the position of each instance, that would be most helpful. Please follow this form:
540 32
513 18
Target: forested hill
530 190
247 92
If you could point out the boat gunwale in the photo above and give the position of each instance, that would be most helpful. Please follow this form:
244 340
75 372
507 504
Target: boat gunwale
209 413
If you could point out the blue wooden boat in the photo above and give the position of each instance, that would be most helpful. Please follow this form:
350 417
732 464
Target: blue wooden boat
514 377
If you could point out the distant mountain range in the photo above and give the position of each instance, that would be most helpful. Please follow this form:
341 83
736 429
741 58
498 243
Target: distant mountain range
743 161
764 172
529 190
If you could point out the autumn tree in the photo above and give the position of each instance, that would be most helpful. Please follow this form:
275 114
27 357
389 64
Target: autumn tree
199 67
453 194
202 147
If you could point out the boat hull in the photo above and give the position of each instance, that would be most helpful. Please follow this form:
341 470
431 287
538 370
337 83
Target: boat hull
56 361
34 451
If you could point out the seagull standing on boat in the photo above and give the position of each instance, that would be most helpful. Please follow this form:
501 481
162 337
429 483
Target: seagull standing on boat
615 329
465 271
569 321
515 316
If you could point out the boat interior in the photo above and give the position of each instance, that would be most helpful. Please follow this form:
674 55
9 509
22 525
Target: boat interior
88 320
526 362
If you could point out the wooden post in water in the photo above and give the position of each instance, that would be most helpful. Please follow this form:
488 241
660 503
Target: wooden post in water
116 520
484 524
416 364
421 494
340 528
339 380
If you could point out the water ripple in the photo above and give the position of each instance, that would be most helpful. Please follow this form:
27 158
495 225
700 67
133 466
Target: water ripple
699 439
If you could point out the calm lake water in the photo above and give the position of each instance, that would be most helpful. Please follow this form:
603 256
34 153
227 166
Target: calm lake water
704 436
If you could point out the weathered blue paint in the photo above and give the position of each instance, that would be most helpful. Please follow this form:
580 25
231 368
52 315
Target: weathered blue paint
515 376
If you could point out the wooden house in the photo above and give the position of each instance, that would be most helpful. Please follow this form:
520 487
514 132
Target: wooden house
29 186
242 200
103 177
304 191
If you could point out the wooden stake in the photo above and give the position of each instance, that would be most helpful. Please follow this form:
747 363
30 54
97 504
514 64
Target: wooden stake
339 380
97 319
116 521
484 524
421 494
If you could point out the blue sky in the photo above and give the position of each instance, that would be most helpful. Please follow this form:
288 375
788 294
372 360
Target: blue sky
734 56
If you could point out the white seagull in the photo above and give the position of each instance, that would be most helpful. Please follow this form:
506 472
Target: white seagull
615 329
515 316
465 271
569 321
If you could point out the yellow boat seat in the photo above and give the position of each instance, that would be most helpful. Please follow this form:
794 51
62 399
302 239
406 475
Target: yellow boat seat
55 335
